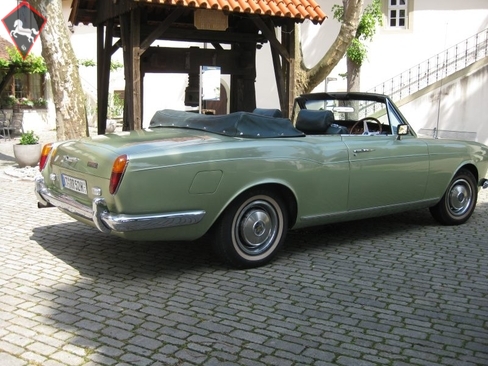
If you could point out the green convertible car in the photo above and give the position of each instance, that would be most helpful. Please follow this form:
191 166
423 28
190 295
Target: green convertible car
247 178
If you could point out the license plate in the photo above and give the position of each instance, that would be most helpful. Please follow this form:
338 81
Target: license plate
75 184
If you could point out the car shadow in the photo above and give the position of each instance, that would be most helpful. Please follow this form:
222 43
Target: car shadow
165 283
351 232
95 254
383 229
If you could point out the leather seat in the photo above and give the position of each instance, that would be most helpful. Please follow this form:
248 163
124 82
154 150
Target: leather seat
317 122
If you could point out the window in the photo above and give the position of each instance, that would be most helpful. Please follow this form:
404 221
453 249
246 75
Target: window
398 13
28 86
24 86
116 107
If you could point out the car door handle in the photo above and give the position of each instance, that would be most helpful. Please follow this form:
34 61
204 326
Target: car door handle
357 151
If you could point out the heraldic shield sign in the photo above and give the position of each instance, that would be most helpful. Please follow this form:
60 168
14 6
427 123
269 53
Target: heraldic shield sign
24 24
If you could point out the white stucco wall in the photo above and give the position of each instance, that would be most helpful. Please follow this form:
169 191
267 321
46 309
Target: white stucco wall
433 26
455 109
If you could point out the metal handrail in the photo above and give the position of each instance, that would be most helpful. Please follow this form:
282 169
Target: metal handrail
436 68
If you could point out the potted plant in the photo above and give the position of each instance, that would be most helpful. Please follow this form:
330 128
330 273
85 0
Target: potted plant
28 151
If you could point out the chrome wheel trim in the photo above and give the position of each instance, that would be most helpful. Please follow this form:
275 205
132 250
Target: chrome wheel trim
257 228
460 197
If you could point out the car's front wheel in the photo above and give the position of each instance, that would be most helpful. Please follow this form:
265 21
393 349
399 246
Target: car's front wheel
459 200
252 229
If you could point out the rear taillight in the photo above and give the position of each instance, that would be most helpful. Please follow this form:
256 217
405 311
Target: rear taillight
118 169
46 150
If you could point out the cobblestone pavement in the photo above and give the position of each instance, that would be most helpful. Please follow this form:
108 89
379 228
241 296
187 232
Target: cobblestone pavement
398 290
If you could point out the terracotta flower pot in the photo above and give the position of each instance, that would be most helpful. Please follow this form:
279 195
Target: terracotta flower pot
27 155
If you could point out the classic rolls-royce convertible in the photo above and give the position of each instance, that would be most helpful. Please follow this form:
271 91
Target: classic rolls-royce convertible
245 179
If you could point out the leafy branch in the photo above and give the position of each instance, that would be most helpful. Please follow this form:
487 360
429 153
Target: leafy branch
371 17
114 65
31 65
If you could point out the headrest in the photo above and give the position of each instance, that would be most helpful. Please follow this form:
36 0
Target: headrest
314 122
268 112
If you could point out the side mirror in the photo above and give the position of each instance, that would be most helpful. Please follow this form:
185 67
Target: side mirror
402 130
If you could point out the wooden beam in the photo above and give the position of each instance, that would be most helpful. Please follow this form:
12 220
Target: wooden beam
189 60
243 89
270 35
104 44
135 43
161 28
7 78
194 35
124 21
288 39
116 46
74 10
130 35
280 80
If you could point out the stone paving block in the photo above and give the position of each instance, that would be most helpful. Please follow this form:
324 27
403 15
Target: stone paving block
10 360
406 292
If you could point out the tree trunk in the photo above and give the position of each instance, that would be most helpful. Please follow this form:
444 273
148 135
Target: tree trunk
62 65
317 74
353 76
7 78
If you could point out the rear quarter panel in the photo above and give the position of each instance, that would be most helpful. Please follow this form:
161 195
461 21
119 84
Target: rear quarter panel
210 177
447 157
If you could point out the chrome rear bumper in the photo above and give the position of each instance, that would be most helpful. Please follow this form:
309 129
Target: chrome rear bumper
106 221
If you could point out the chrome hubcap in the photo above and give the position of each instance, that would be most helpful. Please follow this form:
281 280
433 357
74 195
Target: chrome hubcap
257 227
460 197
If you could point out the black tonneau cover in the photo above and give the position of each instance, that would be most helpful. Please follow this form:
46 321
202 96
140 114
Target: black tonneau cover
238 124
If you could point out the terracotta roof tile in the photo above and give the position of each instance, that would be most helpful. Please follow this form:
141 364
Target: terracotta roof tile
4 43
297 9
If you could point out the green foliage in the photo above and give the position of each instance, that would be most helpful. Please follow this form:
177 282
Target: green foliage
338 12
28 138
356 51
117 107
371 18
10 101
31 65
40 102
86 62
26 102
114 65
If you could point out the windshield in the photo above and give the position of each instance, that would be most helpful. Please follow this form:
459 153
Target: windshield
350 113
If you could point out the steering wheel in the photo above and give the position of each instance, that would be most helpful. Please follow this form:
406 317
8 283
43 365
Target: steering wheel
365 125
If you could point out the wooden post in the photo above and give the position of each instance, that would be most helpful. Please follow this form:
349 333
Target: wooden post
130 33
243 88
135 43
103 75
288 40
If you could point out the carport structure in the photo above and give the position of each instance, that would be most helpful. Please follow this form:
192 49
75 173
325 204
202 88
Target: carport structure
233 28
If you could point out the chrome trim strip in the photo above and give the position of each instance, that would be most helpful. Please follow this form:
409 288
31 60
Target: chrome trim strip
152 221
367 212
98 209
106 221
45 196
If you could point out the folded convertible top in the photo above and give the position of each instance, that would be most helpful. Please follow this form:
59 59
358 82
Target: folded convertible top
238 124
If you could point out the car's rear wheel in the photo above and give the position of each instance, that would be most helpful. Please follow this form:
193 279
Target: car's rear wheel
459 200
252 229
